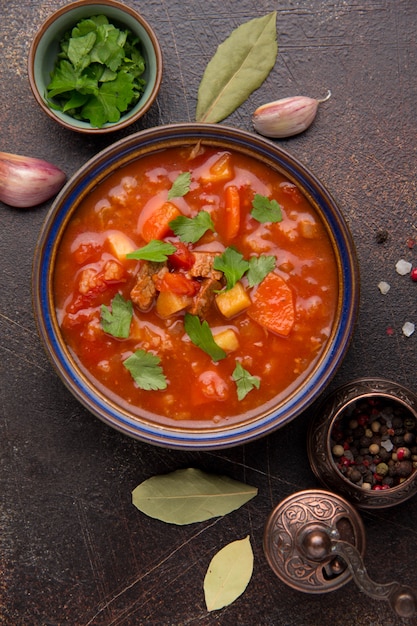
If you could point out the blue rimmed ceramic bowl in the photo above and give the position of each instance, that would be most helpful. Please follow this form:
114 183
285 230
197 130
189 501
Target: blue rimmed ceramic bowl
44 50
188 435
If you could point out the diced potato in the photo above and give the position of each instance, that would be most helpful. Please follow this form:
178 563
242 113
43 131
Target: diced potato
220 170
227 340
309 229
120 244
233 301
169 303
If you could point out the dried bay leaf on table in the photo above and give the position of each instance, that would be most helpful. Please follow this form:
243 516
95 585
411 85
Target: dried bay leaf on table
238 67
190 495
228 574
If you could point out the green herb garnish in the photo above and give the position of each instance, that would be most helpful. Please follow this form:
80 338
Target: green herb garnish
191 229
202 337
233 266
181 186
98 74
265 210
245 382
117 321
146 370
156 250
259 267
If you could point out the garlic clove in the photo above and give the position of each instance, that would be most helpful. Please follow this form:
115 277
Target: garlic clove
27 181
286 117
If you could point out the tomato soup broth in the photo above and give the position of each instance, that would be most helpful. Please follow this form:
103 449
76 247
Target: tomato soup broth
270 333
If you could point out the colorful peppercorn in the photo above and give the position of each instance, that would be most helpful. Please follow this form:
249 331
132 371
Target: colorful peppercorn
374 444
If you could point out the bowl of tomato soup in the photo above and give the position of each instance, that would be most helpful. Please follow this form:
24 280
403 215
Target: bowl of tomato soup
195 286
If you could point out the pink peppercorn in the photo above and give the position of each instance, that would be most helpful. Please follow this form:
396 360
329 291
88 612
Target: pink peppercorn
345 462
363 419
413 274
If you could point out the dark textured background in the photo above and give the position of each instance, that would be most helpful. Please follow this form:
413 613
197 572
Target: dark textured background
73 549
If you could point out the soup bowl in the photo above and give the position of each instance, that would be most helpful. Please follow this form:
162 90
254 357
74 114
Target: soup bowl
200 404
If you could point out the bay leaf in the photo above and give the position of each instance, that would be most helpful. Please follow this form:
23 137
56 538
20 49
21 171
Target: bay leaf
228 574
190 495
239 66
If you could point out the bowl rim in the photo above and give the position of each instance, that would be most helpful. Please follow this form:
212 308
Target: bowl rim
158 138
126 119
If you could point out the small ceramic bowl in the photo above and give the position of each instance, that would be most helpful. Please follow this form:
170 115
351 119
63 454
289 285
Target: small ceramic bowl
362 441
45 46
195 434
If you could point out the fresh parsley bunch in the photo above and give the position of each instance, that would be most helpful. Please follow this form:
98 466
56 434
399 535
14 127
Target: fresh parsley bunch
98 74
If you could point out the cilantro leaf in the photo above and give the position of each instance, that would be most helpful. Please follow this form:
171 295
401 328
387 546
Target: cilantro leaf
245 382
233 266
201 336
265 210
191 229
156 250
117 321
181 186
259 267
146 370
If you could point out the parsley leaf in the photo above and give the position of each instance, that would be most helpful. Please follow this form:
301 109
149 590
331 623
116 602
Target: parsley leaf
265 210
233 266
259 267
245 382
181 186
201 336
146 370
117 321
156 250
79 49
191 229
113 97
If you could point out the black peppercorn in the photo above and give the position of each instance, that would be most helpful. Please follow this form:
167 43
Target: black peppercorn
403 469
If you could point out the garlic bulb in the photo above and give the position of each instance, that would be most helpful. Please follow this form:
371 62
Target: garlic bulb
26 181
286 117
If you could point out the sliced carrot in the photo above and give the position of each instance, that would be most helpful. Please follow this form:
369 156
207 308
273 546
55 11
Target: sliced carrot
232 215
156 226
273 305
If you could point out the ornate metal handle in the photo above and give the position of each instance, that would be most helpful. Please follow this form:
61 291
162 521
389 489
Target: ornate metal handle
321 543
402 598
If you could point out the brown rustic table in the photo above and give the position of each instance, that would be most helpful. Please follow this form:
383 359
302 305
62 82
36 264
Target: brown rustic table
73 549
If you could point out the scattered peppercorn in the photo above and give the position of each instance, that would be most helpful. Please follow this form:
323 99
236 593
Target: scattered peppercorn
382 236
373 443
413 274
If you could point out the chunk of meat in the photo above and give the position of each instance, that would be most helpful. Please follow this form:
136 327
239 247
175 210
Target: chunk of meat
144 291
203 266
204 299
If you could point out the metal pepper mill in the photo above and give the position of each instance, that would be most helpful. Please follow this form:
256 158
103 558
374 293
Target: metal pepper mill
314 541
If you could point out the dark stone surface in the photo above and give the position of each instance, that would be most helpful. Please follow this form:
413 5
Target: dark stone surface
73 549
